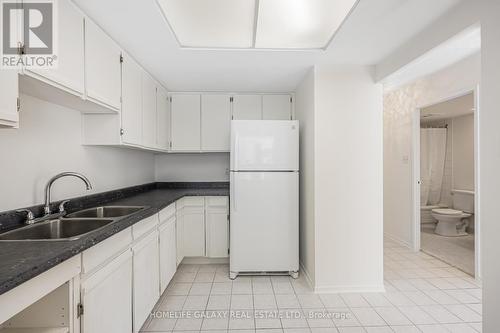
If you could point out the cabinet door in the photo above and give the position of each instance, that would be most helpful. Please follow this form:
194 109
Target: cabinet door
163 115
131 101
194 232
168 256
277 107
70 53
217 227
185 122
247 107
102 67
148 111
107 298
215 122
179 235
9 93
146 289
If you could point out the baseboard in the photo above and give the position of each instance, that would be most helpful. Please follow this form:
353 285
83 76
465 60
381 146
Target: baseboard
350 289
306 274
204 261
398 240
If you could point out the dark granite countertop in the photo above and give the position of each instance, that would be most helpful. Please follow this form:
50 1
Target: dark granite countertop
23 260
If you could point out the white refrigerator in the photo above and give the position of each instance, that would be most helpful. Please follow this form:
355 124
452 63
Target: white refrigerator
264 196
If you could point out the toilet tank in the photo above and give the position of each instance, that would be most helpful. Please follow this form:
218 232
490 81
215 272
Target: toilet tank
463 200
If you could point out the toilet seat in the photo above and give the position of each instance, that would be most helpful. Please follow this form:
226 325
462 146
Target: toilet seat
447 211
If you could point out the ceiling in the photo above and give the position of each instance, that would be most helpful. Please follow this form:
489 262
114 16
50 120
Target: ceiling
373 31
456 107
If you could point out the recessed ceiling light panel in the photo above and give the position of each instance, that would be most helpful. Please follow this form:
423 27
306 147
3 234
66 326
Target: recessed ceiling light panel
264 24
299 24
211 23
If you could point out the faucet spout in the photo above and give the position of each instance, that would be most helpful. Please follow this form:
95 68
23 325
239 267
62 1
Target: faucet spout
56 177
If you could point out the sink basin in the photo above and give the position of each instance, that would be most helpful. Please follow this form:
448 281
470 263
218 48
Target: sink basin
59 229
106 211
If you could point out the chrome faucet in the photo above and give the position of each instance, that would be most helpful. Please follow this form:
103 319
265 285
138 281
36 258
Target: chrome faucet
56 177
48 215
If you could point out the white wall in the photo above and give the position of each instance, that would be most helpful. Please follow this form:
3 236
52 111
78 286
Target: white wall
349 180
210 167
489 181
304 112
399 108
49 142
463 152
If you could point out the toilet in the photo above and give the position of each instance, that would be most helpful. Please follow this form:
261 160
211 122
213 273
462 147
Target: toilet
453 222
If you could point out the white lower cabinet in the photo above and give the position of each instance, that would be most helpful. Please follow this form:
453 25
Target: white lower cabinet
124 276
107 298
168 246
146 288
202 227
217 226
192 211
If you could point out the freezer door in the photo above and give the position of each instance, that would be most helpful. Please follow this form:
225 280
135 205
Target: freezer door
264 226
264 145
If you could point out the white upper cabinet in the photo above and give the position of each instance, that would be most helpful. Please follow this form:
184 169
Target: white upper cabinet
69 74
247 107
148 111
163 116
185 110
277 107
215 122
131 115
9 93
102 67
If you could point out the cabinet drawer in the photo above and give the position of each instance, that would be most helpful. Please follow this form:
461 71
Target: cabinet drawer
191 201
166 213
141 228
104 251
217 202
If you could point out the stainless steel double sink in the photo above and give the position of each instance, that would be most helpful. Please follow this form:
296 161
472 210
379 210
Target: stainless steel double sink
71 226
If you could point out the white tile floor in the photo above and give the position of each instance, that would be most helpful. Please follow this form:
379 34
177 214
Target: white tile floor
423 295
457 251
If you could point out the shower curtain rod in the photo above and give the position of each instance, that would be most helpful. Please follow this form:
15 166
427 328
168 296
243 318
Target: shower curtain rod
430 126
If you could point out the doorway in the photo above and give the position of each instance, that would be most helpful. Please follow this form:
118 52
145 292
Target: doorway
445 192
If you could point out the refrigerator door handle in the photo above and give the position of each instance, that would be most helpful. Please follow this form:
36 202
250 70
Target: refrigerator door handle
233 191
236 157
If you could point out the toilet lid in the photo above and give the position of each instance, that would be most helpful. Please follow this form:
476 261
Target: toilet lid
447 211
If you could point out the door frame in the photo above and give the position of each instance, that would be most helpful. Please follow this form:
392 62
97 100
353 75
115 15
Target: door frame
415 174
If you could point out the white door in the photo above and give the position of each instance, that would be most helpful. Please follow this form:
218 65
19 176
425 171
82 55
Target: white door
148 111
163 116
107 299
9 93
185 111
70 52
131 101
168 254
146 290
215 122
247 107
276 107
102 67
264 230
265 145
193 219
217 227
